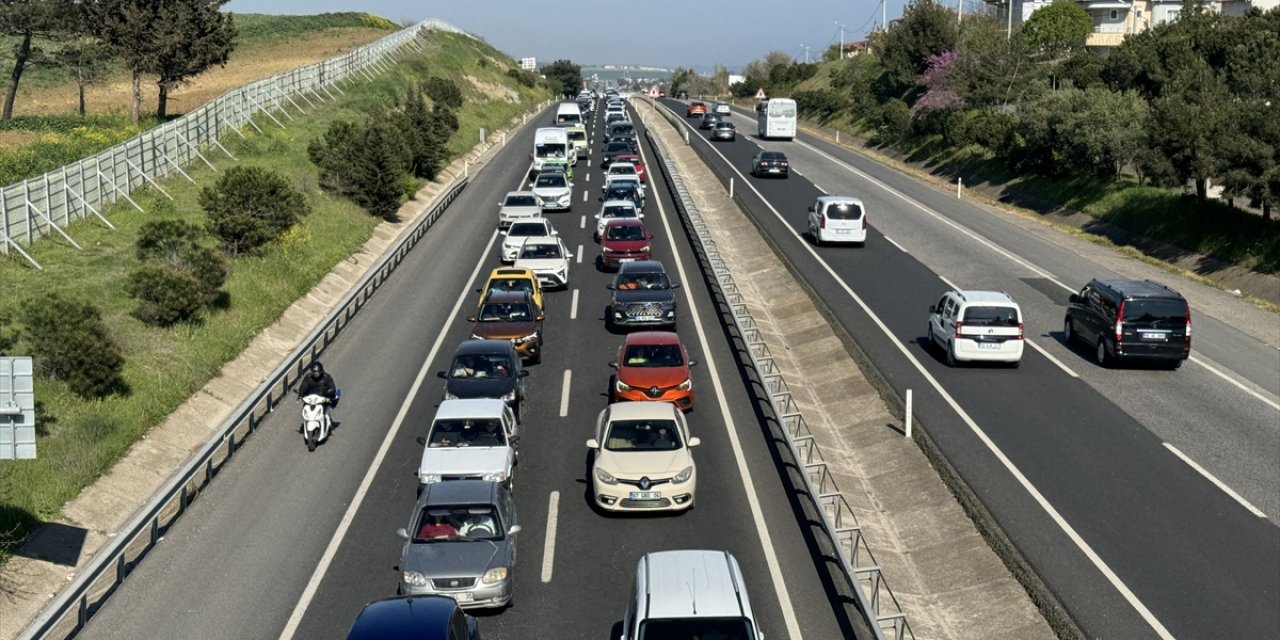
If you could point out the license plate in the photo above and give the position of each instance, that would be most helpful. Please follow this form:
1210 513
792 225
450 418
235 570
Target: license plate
644 495
626 259
774 170
843 232
1155 336
988 345
463 596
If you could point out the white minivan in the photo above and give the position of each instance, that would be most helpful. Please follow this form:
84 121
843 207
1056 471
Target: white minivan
838 219
983 326
689 594
568 113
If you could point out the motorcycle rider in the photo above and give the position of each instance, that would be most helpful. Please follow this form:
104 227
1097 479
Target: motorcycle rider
317 382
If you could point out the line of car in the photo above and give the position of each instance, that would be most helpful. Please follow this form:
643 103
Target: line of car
459 548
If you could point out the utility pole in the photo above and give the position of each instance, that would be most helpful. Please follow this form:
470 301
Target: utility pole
806 53
960 11
884 15
1009 34
841 56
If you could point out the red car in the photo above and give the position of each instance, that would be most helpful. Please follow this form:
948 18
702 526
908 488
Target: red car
653 365
623 240
695 109
635 160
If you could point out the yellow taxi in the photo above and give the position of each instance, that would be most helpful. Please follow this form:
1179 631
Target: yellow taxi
511 279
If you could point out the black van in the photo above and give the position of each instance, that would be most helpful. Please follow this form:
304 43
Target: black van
1130 320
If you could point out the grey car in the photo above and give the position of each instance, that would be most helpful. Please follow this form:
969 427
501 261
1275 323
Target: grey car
643 296
724 131
461 543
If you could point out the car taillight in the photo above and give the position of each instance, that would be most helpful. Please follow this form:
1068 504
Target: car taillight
1120 321
1019 330
783 163
959 326
822 222
1188 333
864 222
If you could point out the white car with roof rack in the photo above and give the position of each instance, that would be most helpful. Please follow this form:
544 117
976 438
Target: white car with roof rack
981 326
689 593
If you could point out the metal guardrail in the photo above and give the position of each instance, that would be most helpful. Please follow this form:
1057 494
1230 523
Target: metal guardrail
875 599
36 206
72 608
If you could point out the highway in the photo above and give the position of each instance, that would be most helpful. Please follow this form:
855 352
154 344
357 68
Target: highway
1079 465
290 544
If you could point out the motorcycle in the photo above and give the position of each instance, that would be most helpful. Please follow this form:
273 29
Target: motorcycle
316 421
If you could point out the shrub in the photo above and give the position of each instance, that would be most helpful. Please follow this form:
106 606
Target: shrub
250 206
332 154
893 121
379 166
159 239
821 104
165 296
986 127
523 76
69 342
444 91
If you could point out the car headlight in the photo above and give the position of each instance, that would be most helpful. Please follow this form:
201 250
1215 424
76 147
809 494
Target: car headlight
413 579
529 338
606 250
450 396
683 476
686 385
644 249
510 396
496 574
477 337
621 386
605 476
496 476
428 478
671 313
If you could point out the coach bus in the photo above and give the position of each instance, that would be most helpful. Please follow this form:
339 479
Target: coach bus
776 118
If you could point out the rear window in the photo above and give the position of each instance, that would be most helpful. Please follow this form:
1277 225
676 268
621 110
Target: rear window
844 211
1168 311
991 316
772 155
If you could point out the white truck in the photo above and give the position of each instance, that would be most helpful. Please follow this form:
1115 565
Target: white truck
550 142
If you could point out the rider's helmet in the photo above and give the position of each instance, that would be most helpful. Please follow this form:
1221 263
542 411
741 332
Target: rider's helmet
316 369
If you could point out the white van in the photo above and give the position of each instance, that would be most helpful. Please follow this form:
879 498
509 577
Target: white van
550 142
689 594
838 219
568 113
984 326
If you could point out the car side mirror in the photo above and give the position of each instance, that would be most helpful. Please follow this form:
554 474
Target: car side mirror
515 528
478 290
555 233
648 236
592 443
524 373
933 308
1074 299
695 441
810 209
421 440
402 533
439 374
675 285
568 255
693 363
597 216
609 287
471 318
613 365
541 317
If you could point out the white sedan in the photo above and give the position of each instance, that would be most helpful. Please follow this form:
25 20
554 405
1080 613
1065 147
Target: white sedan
615 210
522 230
518 205
642 460
547 258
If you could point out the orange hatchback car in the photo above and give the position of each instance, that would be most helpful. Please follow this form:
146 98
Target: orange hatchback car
653 365
695 109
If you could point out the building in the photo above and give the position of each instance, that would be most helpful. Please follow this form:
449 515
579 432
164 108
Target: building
1115 19
528 64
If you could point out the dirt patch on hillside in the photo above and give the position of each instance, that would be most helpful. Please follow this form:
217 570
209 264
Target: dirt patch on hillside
492 90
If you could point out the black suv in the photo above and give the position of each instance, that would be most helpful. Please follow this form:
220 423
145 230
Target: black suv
486 369
643 296
1130 320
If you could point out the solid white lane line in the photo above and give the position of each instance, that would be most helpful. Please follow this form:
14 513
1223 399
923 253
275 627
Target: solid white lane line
300 609
582 222
549 547
564 393
986 440
894 243
753 501
1220 484
948 283
573 308
1052 359
578 256
1000 250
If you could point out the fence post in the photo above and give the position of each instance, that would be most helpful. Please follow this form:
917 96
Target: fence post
730 188
959 185
908 416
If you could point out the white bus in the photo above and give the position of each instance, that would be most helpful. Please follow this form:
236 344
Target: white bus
776 118
568 113
550 142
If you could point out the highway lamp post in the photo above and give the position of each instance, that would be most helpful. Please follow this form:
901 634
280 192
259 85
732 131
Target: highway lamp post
840 55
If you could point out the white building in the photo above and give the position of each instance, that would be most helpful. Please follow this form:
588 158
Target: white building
528 64
1115 19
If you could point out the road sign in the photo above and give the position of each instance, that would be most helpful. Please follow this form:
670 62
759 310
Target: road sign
653 91
760 93
17 409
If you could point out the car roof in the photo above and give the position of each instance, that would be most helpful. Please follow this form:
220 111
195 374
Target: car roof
642 266
471 347
1141 289
457 491
469 408
652 338
692 583
512 272
521 193
422 617
986 297
825 200
772 154
641 410
629 157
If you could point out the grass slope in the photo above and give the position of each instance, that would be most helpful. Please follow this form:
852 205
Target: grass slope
79 439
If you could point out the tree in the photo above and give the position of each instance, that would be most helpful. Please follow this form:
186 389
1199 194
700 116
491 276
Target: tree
927 29
69 341
1058 30
87 59
1194 124
27 20
379 169
992 69
251 206
565 76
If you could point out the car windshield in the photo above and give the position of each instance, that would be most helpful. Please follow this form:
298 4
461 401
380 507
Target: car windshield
654 355
624 232
469 432
772 155
551 180
458 522
505 312
549 150
689 628
577 135
510 284
540 251
621 129
648 281
991 316
724 125
642 435
618 169
524 229
618 212
844 211
1169 312
480 366
521 201
622 192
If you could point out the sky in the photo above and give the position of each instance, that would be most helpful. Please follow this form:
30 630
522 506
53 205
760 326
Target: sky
662 33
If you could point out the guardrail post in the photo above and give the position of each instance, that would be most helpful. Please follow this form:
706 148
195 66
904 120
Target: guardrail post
481 135
908 416
959 185
837 136
730 188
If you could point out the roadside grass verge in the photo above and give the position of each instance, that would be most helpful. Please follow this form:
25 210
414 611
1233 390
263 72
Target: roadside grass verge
79 440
